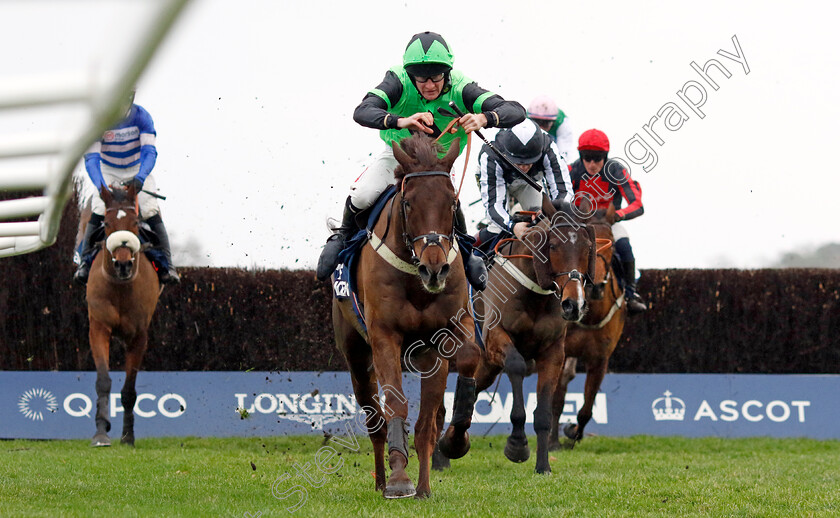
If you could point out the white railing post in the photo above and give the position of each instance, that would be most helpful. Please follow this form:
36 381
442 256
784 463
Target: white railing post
55 178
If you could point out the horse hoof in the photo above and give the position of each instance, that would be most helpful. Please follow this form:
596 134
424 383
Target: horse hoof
404 489
128 441
543 471
517 452
554 445
100 440
454 449
423 495
570 431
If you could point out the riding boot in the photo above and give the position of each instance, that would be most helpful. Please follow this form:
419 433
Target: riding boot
335 243
83 271
166 275
635 304
474 265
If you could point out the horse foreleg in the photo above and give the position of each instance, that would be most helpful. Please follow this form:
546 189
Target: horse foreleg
516 448
559 403
455 443
133 358
365 387
596 368
440 461
426 430
549 366
386 347
100 342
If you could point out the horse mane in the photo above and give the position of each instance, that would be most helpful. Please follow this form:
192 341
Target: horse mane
423 151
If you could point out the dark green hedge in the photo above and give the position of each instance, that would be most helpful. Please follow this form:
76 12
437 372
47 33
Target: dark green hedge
722 321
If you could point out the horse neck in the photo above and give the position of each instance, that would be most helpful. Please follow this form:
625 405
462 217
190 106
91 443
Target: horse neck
535 304
395 230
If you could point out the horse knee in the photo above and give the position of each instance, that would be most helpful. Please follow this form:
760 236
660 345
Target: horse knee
468 357
542 420
515 364
128 398
103 385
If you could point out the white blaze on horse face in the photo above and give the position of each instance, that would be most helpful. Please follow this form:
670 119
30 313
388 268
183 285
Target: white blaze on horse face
123 238
121 214
580 296
573 236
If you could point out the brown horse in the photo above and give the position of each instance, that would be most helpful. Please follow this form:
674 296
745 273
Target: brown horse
537 288
122 293
595 337
413 293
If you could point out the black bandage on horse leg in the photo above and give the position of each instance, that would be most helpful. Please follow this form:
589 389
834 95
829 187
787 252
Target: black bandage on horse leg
465 397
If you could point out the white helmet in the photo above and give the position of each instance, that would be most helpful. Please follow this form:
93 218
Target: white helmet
543 107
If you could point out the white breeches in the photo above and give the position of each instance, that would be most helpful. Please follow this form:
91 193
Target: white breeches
374 180
114 177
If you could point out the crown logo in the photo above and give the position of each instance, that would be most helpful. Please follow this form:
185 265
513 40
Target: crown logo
668 408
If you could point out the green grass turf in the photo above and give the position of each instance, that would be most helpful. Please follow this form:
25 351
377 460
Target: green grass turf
636 476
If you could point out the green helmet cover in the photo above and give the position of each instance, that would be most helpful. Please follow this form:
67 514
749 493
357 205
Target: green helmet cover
426 48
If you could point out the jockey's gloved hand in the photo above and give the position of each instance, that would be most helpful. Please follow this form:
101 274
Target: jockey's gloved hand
618 217
137 183
521 217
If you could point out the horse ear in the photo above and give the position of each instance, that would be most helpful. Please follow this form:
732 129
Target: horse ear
105 194
452 154
401 156
585 207
610 215
131 191
547 207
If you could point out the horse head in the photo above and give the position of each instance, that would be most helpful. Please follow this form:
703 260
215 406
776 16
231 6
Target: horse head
122 226
427 206
564 255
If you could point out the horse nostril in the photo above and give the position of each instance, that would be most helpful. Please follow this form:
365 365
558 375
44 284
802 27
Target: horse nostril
423 270
444 271
569 307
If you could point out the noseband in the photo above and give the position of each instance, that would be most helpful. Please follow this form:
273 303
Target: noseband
432 238
113 243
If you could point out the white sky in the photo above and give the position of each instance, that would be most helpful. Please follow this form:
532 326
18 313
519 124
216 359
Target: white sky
253 104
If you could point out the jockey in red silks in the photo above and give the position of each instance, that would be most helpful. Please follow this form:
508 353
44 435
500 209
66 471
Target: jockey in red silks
606 181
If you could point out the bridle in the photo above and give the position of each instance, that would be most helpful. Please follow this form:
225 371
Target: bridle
602 244
573 275
433 238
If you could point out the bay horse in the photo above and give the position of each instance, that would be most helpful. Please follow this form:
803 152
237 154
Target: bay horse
595 337
412 291
537 288
122 293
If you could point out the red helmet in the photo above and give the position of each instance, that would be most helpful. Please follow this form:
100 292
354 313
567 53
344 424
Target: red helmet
595 140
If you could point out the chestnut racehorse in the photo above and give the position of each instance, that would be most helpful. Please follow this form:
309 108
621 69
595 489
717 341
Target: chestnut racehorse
537 288
595 337
122 292
412 289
